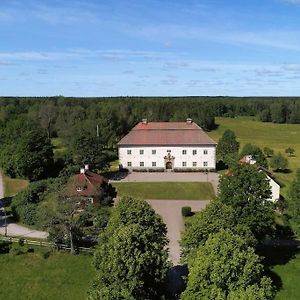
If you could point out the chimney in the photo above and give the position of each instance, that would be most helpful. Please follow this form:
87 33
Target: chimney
82 170
144 121
189 121
86 167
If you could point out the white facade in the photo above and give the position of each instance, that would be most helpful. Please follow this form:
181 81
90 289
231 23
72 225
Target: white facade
167 157
275 189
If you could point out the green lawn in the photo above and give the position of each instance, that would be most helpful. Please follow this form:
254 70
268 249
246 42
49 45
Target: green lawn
166 190
289 274
30 276
275 136
13 185
59 148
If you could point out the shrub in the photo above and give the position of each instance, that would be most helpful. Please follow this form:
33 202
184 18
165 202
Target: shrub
186 211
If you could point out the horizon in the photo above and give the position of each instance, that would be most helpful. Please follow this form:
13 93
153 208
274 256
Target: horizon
150 49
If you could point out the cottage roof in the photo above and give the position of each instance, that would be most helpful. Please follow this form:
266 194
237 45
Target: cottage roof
166 133
85 184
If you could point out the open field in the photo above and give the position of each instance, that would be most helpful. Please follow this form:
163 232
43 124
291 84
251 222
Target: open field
289 274
275 136
30 276
13 185
166 190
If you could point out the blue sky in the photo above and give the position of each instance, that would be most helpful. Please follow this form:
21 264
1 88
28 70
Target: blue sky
149 47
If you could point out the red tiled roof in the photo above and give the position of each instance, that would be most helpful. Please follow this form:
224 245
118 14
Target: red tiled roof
167 133
89 182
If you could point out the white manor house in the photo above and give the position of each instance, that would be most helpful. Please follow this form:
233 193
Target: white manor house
161 146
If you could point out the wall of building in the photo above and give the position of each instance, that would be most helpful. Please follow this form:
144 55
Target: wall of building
156 159
275 189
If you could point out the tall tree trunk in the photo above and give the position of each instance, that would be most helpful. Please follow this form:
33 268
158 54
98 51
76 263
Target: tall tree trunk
71 242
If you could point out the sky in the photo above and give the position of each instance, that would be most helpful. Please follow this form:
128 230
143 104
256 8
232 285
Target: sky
149 47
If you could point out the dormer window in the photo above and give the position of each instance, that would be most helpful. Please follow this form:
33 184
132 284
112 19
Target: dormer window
79 188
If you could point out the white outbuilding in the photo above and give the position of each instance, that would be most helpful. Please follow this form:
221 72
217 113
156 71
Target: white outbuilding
163 146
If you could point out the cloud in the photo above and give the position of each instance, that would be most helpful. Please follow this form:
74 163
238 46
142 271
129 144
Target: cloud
292 1
280 39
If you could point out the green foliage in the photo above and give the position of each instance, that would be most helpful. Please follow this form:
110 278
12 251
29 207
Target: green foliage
247 190
256 153
228 146
186 211
294 202
290 151
131 259
279 163
26 150
225 267
215 217
63 223
25 203
268 151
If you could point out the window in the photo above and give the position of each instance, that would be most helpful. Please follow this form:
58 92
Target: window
184 163
79 188
194 164
141 164
129 152
205 164
184 152
168 151
141 151
194 152
129 164
153 164
205 152
153 152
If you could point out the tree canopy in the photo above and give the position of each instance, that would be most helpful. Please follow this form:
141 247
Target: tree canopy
247 190
225 267
131 259
228 146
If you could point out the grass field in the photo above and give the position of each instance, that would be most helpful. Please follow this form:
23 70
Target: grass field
30 276
289 274
166 190
12 185
275 136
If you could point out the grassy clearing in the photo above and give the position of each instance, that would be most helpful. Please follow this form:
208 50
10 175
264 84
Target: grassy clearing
59 148
13 185
275 136
30 276
166 190
289 274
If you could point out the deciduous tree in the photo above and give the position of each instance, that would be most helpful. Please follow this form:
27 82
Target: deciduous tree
131 259
225 267
228 146
279 163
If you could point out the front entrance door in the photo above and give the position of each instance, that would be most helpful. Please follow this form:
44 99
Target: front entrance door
169 165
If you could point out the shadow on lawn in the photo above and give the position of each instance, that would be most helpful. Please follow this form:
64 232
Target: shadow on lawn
278 252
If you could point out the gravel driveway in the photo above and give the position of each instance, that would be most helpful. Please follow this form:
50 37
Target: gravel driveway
16 230
170 211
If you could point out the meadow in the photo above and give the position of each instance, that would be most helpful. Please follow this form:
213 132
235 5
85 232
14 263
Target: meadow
275 136
31 276
13 185
166 190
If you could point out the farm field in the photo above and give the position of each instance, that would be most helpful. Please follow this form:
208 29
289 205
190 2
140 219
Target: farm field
13 185
166 190
60 276
275 136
